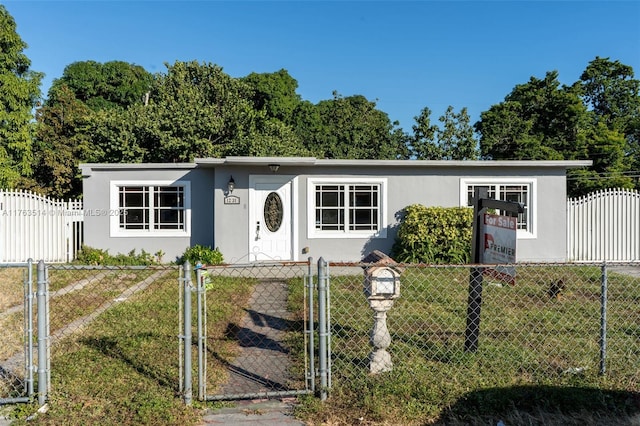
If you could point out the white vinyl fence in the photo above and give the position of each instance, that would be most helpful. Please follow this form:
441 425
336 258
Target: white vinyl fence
604 226
40 228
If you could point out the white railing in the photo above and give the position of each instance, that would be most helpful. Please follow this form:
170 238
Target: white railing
40 228
604 226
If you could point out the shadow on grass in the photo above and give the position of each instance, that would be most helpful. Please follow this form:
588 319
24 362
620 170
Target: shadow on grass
548 404
116 348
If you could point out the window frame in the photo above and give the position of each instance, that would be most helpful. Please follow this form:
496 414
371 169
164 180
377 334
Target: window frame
114 205
532 216
380 232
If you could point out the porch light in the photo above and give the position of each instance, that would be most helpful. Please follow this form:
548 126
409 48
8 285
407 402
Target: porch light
231 185
274 167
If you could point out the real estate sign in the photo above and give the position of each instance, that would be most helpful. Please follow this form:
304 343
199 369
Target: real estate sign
499 246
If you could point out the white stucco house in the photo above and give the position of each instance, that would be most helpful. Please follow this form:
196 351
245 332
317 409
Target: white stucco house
263 208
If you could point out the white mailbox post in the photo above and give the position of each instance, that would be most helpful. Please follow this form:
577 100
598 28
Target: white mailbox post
382 287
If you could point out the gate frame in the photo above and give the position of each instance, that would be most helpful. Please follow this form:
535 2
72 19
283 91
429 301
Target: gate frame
201 321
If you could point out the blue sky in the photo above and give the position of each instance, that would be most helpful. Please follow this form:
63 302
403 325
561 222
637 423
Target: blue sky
404 55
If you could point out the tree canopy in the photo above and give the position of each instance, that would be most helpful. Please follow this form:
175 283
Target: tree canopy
109 85
19 94
594 118
119 112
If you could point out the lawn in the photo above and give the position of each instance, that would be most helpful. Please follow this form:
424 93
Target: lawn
538 360
538 355
121 367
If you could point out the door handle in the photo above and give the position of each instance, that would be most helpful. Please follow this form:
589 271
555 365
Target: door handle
257 230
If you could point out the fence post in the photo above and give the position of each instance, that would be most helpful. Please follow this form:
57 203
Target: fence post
200 287
29 302
322 326
188 384
42 333
310 332
603 319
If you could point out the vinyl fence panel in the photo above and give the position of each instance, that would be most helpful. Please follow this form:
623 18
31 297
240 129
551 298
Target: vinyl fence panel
604 226
37 227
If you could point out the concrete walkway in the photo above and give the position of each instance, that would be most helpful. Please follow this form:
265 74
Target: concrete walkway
632 270
263 363
255 412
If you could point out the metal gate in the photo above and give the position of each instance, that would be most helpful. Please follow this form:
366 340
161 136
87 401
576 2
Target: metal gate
264 345
16 331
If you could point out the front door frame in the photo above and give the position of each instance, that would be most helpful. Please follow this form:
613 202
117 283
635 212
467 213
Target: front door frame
292 180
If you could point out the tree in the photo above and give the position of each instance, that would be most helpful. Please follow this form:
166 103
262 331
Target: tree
194 110
19 94
423 145
109 85
612 92
505 133
271 138
538 120
86 118
62 141
275 93
197 110
349 127
542 120
605 148
452 141
455 138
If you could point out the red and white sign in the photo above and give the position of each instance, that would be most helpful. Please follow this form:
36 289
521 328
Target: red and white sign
499 245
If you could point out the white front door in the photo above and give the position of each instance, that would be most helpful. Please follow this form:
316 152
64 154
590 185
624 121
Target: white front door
270 218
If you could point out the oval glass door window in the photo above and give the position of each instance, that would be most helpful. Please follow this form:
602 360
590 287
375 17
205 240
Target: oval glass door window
273 212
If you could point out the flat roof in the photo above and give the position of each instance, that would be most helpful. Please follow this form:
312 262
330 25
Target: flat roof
312 161
86 168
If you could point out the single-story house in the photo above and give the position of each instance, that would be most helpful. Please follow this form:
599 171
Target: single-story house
288 208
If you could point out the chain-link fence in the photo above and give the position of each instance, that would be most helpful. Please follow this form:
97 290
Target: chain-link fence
112 332
264 330
16 333
558 324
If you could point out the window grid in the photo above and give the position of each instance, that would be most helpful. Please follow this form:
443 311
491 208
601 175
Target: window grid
152 208
347 208
134 207
363 207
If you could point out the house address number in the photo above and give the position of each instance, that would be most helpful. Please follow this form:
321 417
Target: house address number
232 199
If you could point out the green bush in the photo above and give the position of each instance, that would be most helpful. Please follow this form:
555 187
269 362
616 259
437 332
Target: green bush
202 254
434 235
94 256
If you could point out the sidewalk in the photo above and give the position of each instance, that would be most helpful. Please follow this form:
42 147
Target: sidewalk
256 412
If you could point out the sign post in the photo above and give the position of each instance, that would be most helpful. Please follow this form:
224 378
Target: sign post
484 248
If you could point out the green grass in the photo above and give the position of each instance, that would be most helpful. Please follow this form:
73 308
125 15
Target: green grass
122 368
529 349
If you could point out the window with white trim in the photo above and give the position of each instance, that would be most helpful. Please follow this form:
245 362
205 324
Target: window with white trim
346 208
150 208
516 190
